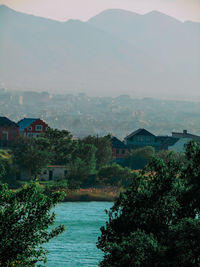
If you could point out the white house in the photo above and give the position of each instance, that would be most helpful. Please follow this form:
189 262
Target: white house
53 172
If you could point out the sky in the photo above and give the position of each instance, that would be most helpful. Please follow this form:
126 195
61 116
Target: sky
84 9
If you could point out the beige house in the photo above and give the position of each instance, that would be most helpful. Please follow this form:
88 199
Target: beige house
53 172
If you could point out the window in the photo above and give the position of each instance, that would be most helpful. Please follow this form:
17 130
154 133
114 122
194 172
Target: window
123 151
5 136
117 151
38 127
140 138
30 134
29 128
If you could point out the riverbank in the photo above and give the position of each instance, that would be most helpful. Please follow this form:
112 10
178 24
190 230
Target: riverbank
93 194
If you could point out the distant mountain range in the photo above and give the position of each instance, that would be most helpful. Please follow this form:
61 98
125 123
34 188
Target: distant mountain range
116 52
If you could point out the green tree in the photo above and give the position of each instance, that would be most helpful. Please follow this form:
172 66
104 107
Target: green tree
103 149
167 155
138 158
61 145
2 169
8 171
31 154
25 217
82 165
156 222
115 175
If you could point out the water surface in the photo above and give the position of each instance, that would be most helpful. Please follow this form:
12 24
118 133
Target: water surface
76 247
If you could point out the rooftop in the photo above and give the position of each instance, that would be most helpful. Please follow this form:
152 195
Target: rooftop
26 122
6 122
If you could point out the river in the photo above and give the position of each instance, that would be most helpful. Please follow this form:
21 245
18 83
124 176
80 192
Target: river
76 247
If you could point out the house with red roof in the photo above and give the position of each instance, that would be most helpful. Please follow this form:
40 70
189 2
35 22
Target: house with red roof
32 127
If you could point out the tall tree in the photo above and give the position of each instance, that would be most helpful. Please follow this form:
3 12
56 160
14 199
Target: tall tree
83 162
61 145
103 149
156 222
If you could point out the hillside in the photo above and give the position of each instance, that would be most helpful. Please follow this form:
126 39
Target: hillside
116 52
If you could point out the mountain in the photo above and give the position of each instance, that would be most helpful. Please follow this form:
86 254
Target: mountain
176 44
115 52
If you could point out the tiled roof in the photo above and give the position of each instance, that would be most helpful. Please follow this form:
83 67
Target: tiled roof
26 122
6 122
139 132
116 143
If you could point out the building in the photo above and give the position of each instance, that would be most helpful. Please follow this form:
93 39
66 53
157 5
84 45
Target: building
166 141
180 145
119 150
9 132
30 127
185 134
142 138
53 172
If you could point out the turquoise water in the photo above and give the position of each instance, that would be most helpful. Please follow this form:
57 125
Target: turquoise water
76 247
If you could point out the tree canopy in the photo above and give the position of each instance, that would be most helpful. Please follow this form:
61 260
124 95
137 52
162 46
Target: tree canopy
31 154
103 149
139 157
25 217
156 221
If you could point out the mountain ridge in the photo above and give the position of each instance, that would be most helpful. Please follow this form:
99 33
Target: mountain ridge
74 56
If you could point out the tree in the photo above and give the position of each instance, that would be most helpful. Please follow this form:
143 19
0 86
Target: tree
167 155
115 175
138 158
82 164
103 149
2 169
156 222
31 154
61 145
8 171
25 218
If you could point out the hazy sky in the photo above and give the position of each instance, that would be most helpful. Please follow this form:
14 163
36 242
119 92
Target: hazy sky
84 9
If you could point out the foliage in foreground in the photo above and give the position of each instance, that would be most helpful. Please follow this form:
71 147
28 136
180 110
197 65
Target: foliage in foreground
156 222
25 218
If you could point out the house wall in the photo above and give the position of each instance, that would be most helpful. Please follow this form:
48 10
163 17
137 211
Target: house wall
12 133
58 172
139 141
32 131
8 135
180 145
120 152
